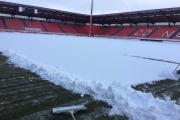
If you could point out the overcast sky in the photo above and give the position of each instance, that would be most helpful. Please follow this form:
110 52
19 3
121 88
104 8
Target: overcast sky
101 6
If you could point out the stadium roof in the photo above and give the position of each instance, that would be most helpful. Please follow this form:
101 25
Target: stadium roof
148 16
13 9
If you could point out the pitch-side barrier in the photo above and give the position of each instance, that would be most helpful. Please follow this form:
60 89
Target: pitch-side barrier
39 31
140 38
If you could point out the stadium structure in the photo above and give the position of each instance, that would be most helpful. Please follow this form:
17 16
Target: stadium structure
158 24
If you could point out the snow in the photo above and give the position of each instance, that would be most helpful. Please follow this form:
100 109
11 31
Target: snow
100 67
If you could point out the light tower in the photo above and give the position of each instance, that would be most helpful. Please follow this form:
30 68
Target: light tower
90 25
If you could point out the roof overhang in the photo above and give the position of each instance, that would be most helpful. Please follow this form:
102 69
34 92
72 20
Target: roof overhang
148 16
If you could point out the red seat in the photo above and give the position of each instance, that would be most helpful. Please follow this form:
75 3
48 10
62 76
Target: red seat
97 30
34 24
111 31
143 32
1 24
14 24
164 32
126 31
177 36
80 29
68 28
52 27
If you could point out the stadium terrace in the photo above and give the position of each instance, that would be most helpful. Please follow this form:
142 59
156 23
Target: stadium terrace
158 24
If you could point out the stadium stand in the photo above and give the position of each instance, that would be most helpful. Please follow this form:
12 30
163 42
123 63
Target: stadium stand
14 24
24 24
143 32
52 27
1 24
76 29
44 26
34 24
111 31
126 31
97 30
84 28
103 25
61 28
81 29
105 30
164 32
152 32
116 31
4 23
176 35
68 28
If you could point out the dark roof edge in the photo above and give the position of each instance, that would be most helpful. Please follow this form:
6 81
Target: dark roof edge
140 11
31 6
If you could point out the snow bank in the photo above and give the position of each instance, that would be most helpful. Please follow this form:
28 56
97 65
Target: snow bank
124 100
99 67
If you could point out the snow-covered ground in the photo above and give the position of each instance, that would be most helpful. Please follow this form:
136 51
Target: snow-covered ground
100 67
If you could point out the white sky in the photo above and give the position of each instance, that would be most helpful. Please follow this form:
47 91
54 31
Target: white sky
101 6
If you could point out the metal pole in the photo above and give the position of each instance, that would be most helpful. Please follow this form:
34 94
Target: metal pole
92 7
176 68
90 24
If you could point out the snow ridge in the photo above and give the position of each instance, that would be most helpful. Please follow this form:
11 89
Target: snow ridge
124 100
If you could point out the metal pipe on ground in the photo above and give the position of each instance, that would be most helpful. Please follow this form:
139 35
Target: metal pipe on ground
176 68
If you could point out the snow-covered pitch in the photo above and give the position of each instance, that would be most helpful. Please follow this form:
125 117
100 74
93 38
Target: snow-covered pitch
101 67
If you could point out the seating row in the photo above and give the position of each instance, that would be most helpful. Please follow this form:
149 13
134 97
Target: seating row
1 24
151 32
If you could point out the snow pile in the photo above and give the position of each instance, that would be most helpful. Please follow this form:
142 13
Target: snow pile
124 100
100 67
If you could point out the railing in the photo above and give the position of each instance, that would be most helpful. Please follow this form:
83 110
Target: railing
104 36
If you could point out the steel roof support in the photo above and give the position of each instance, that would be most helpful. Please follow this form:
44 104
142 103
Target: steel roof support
169 24
148 25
